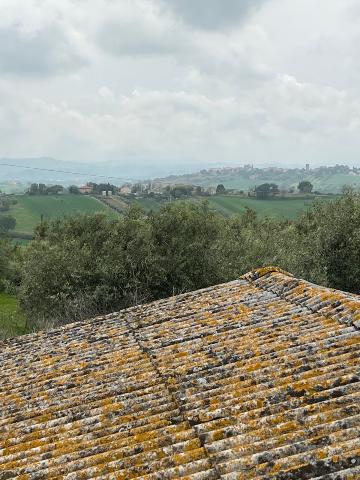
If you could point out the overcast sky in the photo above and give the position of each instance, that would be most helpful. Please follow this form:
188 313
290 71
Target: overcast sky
204 82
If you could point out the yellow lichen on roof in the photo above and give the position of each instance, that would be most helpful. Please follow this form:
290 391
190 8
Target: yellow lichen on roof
256 378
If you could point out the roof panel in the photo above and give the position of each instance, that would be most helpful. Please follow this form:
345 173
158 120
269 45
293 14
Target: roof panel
257 378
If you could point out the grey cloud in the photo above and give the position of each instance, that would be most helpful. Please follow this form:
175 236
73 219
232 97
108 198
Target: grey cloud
43 52
212 53
142 31
268 91
213 14
132 38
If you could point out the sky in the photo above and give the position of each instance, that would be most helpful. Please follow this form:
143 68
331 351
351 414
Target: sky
190 83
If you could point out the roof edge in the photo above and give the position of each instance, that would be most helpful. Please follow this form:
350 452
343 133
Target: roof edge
343 306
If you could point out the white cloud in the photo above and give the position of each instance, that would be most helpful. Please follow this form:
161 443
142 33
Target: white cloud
45 52
138 28
39 38
142 29
100 80
177 124
106 93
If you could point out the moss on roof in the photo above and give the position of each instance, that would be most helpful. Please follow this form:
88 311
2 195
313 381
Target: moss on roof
257 378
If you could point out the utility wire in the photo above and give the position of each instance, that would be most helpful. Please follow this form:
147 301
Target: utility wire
60 171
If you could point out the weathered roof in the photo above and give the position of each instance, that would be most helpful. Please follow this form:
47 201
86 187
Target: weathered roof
257 378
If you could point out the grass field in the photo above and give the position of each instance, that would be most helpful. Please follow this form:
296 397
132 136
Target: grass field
148 204
12 322
231 205
116 203
29 209
287 207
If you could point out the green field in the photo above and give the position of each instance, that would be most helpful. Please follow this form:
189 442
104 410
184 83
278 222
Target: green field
29 209
287 207
231 205
12 322
149 204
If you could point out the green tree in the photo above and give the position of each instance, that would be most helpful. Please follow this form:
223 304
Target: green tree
323 244
74 190
7 222
43 190
179 191
4 261
185 240
220 189
305 186
9 264
262 191
335 240
81 266
249 241
84 265
54 189
265 190
4 204
34 189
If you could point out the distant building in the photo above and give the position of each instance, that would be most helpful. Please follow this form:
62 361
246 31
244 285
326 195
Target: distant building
125 189
85 189
211 191
308 167
157 187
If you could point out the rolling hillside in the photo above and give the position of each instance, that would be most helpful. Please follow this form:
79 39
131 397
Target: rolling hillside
328 182
289 208
231 205
30 209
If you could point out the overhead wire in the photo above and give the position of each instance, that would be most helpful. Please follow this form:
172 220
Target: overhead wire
61 171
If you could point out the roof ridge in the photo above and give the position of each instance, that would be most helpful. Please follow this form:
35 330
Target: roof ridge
343 306
261 272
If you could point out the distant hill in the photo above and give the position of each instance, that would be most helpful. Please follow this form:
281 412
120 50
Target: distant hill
324 179
53 171
50 170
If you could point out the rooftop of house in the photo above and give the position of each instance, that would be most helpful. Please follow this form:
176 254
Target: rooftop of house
256 378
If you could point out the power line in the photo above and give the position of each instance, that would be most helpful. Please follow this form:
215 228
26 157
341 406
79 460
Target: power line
60 171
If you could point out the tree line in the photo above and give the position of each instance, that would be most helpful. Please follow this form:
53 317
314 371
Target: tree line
268 190
82 266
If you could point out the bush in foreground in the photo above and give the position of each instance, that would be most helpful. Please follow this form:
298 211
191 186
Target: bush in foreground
87 265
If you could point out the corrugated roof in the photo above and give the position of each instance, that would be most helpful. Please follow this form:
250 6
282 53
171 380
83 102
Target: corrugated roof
257 378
